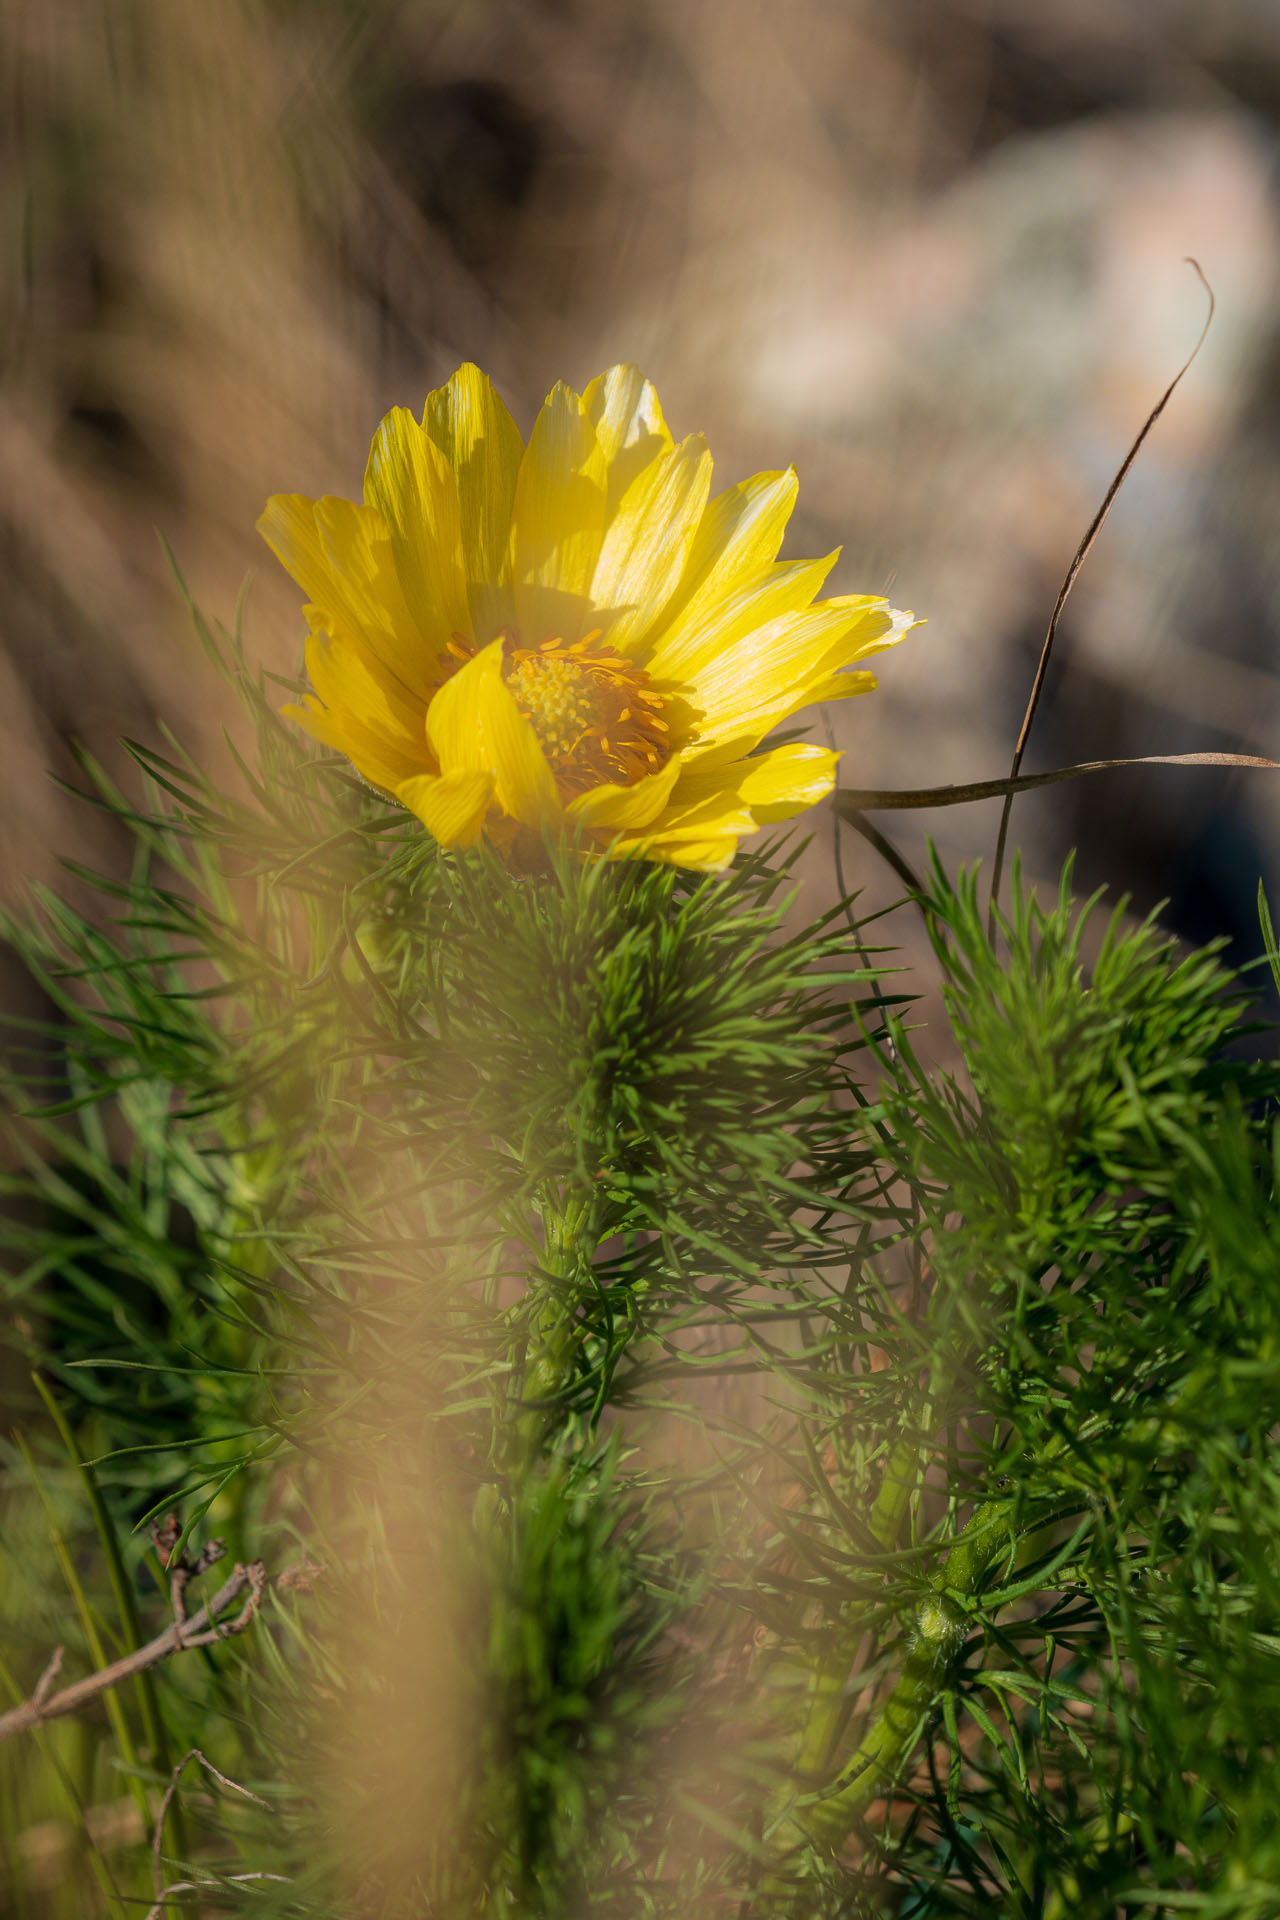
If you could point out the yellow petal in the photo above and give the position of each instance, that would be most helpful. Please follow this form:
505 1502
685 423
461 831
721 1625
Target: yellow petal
751 728
842 685
699 827
901 622
475 726
711 854
737 542
623 408
788 779
524 783
715 814
757 682
451 806
703 834
455 729
702 856
358 708
635 806
379 760
788 587
349 677
558 520
469 423
409 482
341 557
647 542
772 786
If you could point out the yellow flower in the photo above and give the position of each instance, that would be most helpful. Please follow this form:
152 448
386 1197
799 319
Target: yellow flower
569 634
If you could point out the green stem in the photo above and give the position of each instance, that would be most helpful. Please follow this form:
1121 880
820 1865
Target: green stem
939 1627
570 1236
829 1702
1061 1902
899 1486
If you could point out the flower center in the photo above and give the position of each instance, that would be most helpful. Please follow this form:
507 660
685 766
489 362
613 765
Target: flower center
562 700
595 715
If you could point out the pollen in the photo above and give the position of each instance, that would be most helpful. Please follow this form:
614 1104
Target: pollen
592 709
561 698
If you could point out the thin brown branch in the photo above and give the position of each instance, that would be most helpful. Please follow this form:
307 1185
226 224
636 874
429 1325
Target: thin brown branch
197 1631
206 1886
44 1685
185 1631
1078 559
163 1893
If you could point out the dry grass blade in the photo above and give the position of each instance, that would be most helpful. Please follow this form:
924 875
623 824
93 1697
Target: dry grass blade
850 802
1069 579
163 1893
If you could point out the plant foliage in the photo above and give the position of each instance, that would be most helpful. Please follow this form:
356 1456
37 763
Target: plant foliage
742 1467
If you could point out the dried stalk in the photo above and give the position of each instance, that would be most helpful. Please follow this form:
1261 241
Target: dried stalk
199 1629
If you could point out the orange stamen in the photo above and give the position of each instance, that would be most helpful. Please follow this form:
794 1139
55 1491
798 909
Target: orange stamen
591 707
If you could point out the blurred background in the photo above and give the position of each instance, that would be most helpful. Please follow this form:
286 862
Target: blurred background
932 251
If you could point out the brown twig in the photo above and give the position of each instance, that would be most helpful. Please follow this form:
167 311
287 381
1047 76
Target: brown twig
199 1629
44 1684
204 1886
163 1893
1078 559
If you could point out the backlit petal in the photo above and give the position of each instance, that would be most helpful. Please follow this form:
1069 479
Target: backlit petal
410 483
350 679
647 542
706 855
754 684
788 587
624 409
636 806
451 806
475 726
773 785
558 520
703 837
470 424
340 555
738 540
371 754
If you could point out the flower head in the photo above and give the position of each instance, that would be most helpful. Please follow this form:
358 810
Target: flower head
573 633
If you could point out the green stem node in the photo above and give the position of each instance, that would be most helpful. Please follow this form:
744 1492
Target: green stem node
940 1627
